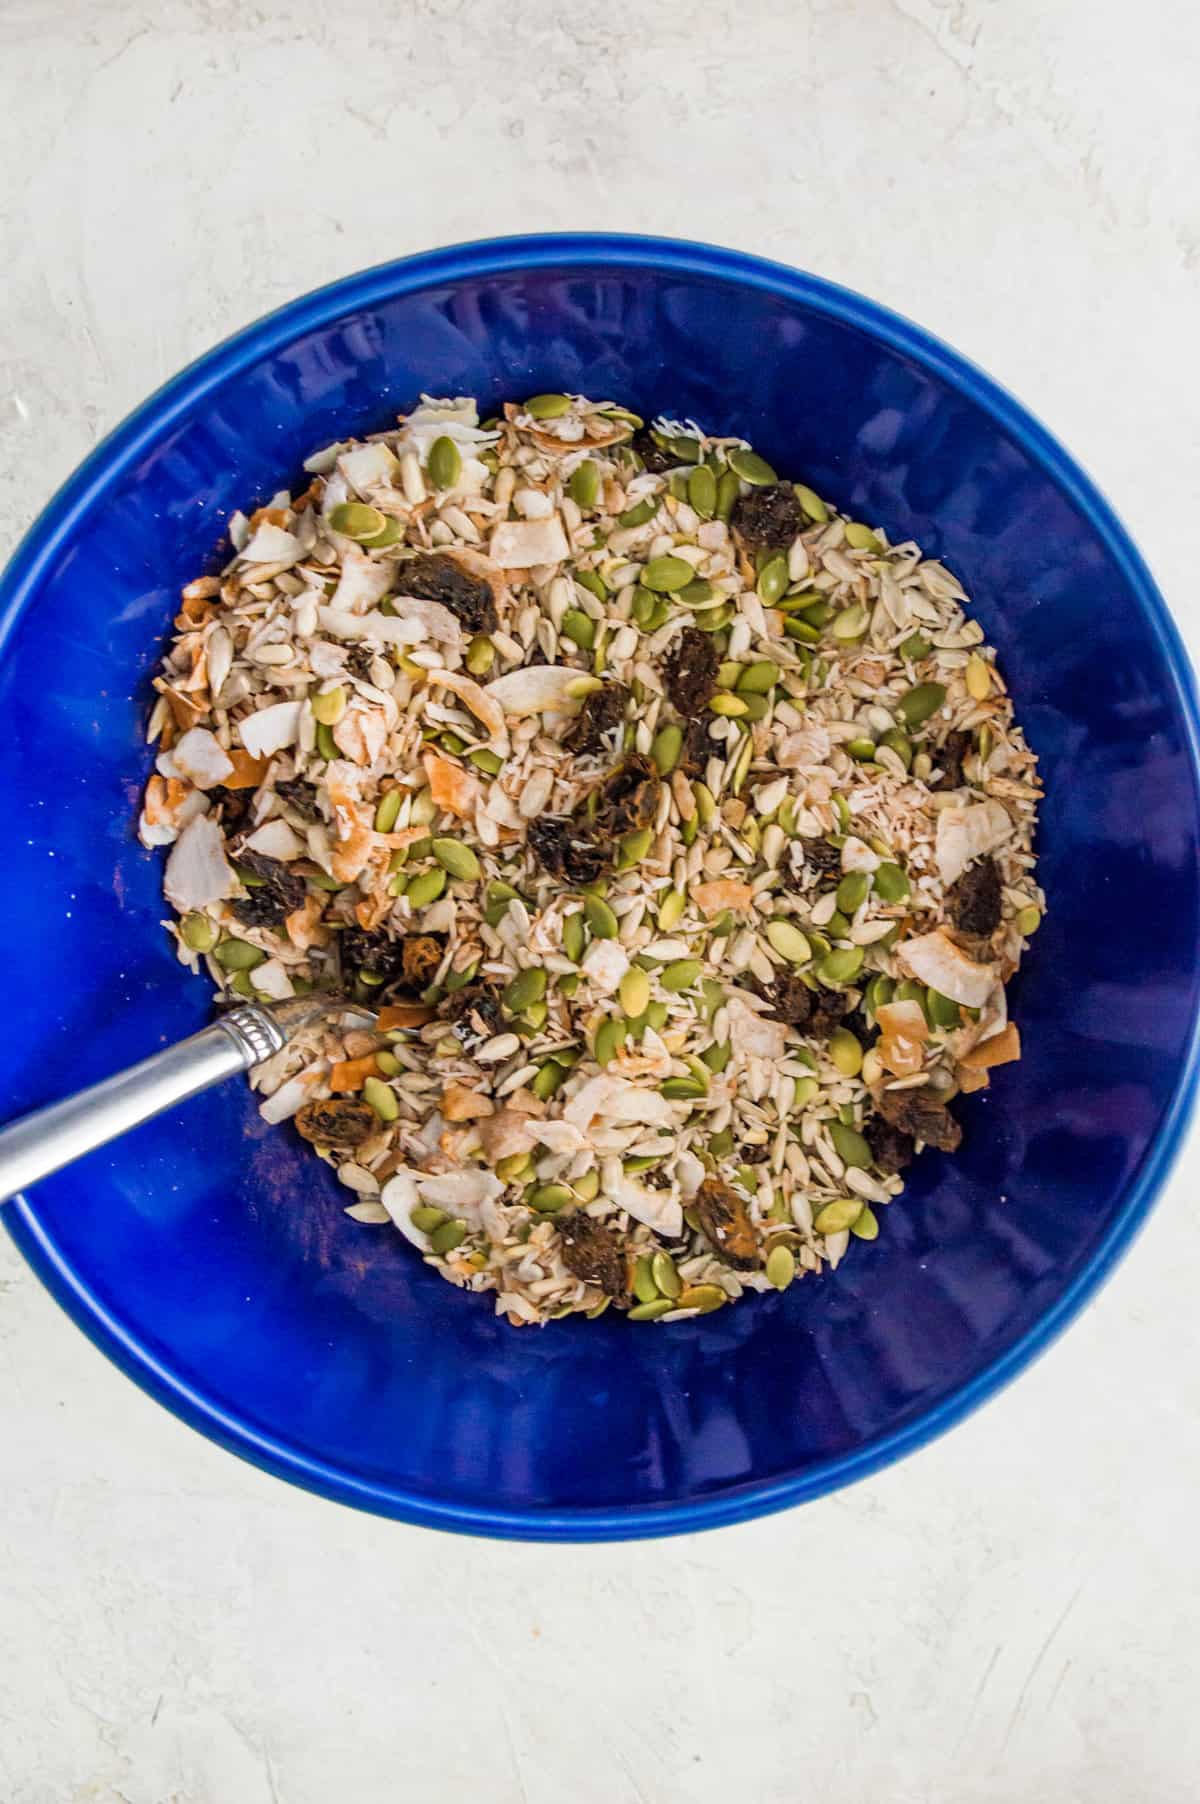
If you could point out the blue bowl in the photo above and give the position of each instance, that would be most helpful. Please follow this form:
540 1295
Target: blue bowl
210 1257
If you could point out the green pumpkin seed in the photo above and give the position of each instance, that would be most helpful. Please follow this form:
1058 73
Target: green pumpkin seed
389 807
329 707
597 1309
656 1016
702 491
806 1090
795 628
921 701
908 991
728 490
451 1234
851 623
789 942
593 583
840 966
671 910
510 1169
811 502
727 705
852 891
681 974
547 407
546 1079
752 468
696 594
584 486
600 918
388 1063
634 992
527 986
587 1188
574 937
702 1297
644 1287
891 883
426 888
579 628
836 1217
650 1312
757 679
667 1279
941 1010
781 1267
489 762
861 538
849 1145
610 1036
238 955
547 1199
481 655
426 1218
198 932
458 859
667 574
326 744
915 647
861 749
444 463
720 1146
382 1098
899 743
706 803
668 744
865 1225
717 1057
682 1089
1027 921
685 448
845 1052
355 520
773 580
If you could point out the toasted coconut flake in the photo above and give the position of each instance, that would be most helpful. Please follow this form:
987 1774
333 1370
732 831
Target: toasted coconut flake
656 1209
935 959
198 872
604 965
1001 1049
369 467
964 834
752 1035
483 706
272 544
200 757
726 892
616 1099
452 788
363 582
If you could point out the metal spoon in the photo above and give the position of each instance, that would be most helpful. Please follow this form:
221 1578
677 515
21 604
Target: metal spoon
32 1148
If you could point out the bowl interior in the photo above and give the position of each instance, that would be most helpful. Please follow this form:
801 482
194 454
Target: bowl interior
211 1255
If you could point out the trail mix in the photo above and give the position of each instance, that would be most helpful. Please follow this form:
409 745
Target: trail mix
675 827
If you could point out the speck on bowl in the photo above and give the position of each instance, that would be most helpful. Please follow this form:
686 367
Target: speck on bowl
210 1257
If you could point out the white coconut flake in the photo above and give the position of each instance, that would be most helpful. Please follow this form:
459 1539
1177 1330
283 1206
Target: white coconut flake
200 758
269 730
522 544
198 872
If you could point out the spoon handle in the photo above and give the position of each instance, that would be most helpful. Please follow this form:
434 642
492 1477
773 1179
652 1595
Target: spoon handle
40 1143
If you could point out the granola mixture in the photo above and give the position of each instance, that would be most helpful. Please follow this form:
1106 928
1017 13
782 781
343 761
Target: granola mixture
676 828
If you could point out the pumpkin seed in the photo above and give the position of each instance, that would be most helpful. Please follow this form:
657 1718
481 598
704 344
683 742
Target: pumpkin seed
238 955
806 1090
845 1052
584 486
706 803
789 942
579 628
728 490
773 579
547 407
668 744
526 987
662 1270
458 859
634 992
681 974
696 594
865 1225
665 575
451 1234
941 1010
610 1035
861 749
915 647
836 1217
593 583
587 1188
426 888
201 934
600 918
355 520
426 1218
547 1199
650 1312
514 1166
978 678
752 468
851 623
717 1057
852 891
891 883
329 707
671 910
382 1098
703 1297
574 937
644 1287
920 702
702 491
757 679
908 991
849 1144
899 743
444 463
730 706
811 502
681 1089
1028 920
781 1267
326 744
840 966
546 1079
795 628
389 807
861 538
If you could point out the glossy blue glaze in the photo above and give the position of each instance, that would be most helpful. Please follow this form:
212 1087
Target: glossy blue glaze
210 1257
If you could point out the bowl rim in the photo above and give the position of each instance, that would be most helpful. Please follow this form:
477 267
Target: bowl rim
136 434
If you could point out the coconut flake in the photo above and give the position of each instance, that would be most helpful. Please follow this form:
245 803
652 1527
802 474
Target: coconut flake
751 1035
964 834
534 689
463 1192
200 757
362 583
616 1099
272 545
520 544
369 467
197 870
936 960
275 839
269 730
400 1197
605 964
483 705
656 1209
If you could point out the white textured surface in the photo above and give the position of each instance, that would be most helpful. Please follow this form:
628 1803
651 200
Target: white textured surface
1011 1614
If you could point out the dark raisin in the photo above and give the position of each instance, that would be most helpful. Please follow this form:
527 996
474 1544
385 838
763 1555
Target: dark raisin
819 855
438 578
601 715
725 1223
919 1113
653 457
475 1012
340 1121
768 519
301 797
859 1024
628 797
891 1148
949 759
754 1155
408 963
235 808
698 747
690 671
593 1252
359 659
279 893
974 901
569 849
814 1012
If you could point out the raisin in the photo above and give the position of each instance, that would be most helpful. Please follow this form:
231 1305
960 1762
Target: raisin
569 849
301 797
920 1114
409 963
725 1223
602 713
814 1012
475 1013
754 1155
431 577
340 1121
950 755
697 748
359 659
820 856
690 671
768 519
653 457
235 808
628 797
891 1148
592 1252
974 901
269 903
